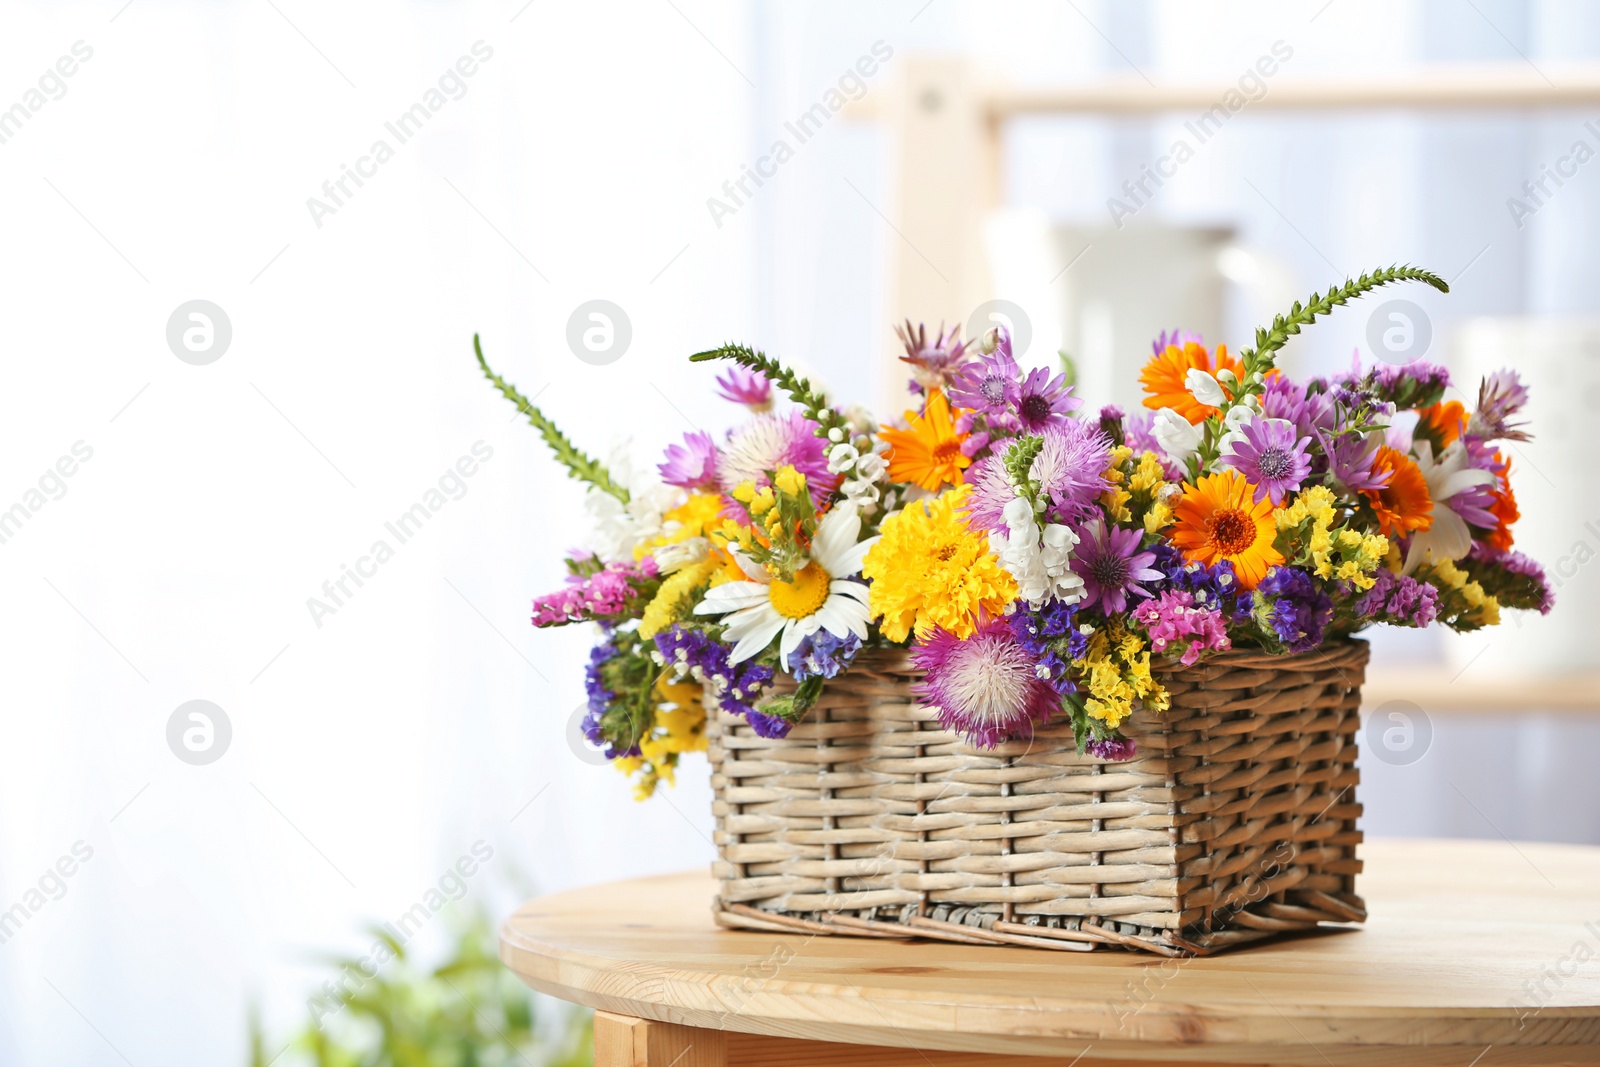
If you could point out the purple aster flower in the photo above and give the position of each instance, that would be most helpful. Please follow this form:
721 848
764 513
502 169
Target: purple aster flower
1500 396
1040 401
732 687
935 364
984 385
1399 600
1350 460
985 687
1174 339
693 464
1272 457
1289 605
1115 749
1071 467
1111 565
822 655
745 386
1177 627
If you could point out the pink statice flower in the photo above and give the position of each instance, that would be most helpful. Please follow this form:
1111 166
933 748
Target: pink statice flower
691 465
986 687
744 386
606 595
1177 627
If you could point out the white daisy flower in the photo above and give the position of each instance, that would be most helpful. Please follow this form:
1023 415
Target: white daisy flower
819 598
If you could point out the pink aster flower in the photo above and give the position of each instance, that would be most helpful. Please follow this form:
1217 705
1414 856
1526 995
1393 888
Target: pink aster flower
1272 457
991 490
745 386
691 465
986 687
758 448
1111 566
1177 627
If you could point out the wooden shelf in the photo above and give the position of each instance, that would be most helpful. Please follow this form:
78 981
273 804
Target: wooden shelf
1442 690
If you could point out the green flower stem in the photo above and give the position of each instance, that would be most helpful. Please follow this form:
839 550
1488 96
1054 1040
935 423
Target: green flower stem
583 467
1257 361
816 406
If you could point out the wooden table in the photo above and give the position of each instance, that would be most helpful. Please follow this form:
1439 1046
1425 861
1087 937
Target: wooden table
1476 953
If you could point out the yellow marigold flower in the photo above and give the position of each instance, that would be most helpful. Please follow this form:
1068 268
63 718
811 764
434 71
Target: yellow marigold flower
929 569
790 481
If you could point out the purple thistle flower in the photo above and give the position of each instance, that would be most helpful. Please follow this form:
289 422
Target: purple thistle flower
933 365
1272 457
1114 749
1070 469
1041 401
691 465
1111 565
1293 607
990 493
985 687
745 386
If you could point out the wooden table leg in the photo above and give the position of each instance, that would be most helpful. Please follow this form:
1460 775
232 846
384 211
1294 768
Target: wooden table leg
621 1041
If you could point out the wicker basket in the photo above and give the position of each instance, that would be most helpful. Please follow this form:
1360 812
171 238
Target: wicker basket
1235 821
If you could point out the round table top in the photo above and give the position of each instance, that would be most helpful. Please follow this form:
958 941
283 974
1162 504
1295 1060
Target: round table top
1472 949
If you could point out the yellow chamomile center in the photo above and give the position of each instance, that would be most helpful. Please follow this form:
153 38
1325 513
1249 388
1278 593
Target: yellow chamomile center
802 597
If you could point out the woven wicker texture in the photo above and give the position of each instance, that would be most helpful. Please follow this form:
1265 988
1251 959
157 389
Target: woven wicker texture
1235 821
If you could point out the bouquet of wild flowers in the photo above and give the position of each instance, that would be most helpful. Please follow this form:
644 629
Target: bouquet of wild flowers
1034 556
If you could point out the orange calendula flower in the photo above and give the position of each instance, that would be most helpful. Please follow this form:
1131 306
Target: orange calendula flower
1219 518
1403 505
1442 423
927 453
1504 508
1163 378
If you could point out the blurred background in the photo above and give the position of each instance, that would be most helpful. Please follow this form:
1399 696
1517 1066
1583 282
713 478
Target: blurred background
180 497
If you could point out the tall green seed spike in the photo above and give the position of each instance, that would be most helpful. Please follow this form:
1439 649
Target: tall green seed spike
1269 341
799 389
579 465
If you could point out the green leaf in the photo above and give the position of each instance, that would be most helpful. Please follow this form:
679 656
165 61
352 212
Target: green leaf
579 465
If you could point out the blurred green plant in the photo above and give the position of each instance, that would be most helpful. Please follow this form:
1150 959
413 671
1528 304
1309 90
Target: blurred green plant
469 1011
